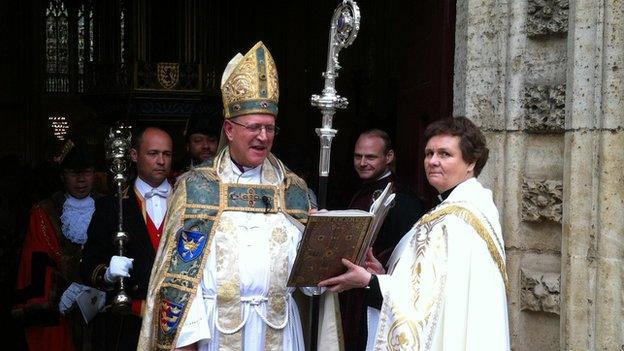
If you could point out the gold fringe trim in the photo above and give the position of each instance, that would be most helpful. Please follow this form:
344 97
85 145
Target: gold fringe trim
199 216
209 173
293 179
472 220
207 207
179 287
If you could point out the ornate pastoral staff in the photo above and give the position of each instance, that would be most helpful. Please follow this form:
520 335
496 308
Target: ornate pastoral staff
344 27
117 154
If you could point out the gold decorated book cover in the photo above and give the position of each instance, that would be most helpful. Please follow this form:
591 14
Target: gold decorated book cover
329 237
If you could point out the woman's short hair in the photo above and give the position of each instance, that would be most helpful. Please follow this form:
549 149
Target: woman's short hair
472 141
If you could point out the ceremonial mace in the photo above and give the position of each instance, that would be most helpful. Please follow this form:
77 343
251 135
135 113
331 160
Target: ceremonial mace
344 27
117 154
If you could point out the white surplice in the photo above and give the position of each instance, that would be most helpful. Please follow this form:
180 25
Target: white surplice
446 287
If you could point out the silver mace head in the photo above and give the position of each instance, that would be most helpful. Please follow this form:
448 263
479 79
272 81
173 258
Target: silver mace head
118 145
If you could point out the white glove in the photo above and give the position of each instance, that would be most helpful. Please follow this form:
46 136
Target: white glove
119 266
70 295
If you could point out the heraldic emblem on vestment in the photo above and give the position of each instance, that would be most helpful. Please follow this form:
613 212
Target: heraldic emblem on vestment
169 315
190 244
168 74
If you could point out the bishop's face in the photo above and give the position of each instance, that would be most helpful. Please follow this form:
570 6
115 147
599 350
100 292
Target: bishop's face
444 164
249 138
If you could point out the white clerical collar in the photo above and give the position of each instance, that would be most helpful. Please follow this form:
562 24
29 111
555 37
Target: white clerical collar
387 174
248 173
143 187
460 190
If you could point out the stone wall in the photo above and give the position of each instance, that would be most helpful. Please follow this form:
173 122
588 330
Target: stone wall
543 79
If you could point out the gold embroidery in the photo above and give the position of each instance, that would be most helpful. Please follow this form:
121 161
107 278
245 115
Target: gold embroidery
242 85
403 336
174 220
199 216
178 206
254 78
207 207
423 303
471 219
277 314
228 292
47 239
228 285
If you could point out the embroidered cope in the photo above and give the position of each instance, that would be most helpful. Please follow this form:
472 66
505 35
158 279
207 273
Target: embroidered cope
446 287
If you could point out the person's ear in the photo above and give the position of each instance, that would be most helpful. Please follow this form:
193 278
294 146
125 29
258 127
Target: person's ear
389 157
134 155
471 167
228 128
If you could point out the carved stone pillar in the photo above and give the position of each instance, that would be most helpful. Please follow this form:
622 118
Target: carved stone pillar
544 79
593 197
510 79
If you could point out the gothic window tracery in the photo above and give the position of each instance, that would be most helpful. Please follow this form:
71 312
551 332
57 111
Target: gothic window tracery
57 46
68 45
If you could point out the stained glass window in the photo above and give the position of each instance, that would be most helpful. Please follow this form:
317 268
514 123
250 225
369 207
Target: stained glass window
57 47
81 47
85 41
122 31
91 33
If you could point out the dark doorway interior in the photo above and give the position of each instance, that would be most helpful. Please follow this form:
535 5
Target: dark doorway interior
397 75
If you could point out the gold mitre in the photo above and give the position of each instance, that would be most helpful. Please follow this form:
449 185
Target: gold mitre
249 84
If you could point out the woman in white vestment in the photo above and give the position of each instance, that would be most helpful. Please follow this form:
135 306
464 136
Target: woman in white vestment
445 287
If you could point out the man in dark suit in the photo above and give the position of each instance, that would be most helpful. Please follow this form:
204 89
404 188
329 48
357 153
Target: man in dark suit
372 159
144 209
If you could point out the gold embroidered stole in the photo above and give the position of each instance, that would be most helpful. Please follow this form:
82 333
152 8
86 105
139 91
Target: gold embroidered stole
491 240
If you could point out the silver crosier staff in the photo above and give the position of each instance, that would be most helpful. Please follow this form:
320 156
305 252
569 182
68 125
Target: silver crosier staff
344 26
117 154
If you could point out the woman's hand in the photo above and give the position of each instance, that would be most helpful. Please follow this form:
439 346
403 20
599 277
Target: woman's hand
355 277
372 264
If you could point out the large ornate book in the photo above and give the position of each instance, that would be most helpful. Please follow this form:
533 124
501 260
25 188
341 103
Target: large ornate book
330 236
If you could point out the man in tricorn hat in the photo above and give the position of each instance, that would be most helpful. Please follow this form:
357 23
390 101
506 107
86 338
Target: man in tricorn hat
219 280
51 253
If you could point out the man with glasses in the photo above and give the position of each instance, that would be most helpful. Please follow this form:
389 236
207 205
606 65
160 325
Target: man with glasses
231 237
52 249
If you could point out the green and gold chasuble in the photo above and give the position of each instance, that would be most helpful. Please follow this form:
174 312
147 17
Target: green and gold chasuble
195 211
